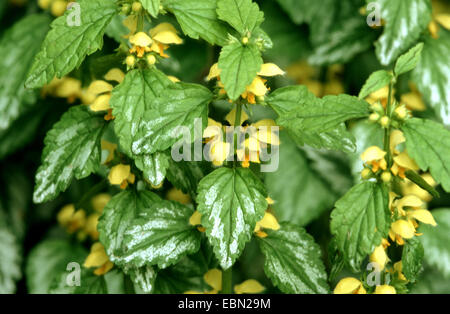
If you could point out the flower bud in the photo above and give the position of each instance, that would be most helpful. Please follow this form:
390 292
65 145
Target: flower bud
374 117
136 7
365 173
58 7
130 61
385 121
377 107
151 59
126 8
44 4
386 177
245 40
401 112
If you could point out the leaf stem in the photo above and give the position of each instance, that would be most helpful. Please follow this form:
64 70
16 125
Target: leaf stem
227 281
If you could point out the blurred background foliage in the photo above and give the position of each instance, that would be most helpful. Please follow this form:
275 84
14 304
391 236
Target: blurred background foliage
328 48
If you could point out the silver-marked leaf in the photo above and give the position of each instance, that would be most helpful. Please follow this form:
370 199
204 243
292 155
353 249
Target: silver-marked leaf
198 18
185 175
117 215
18 47
405 21
409 60
11 258
435 242
154 166
231 201
66 45
132 98
428 143
178 109
431 74
376 80
243 15
152 6
360 220
293 261
239 65
161 235
144 277
72 150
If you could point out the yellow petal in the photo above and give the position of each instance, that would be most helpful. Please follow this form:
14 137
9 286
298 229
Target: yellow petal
396 138
385 289
104 268
444 20
348 285
372 153
266 135
269 222
264 122
118 174
404 161
232 114
115 74
258 87
422 215
99 87
270 69
219 152
249 286
97 256
68 87
173 78
168 37
65 214
196 218
379 256
99 201
403 228
270 201
141 39
409 201
213 72
101 103
178 196
213 129
413 101
163 27
131 23
214 278
91 226
381 93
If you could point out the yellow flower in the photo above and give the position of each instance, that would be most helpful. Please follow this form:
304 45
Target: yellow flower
98 258
101 90
402 229
91 226
178 195
379 256
213 278
66 87
398 268
349 285
257 88
409 187
159 40
249 286
374 156
121 175
70 219
58 7
230 117
110 148
267 222
99 202
402 163
384 289
413 100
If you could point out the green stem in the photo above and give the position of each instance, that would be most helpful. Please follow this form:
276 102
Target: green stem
237 118
387 131
227 281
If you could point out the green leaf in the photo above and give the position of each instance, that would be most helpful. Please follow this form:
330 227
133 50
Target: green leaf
144 277
154 166
161 235
239 65
360 220
293 261
428 143
346 40
48 260
412 257
431 281
66 45
409 60
132 98
152 6
417 179
375 81
435 241
18 47
231 201
117 216
297 202
299 11
92 284
243 15
117 30
316 122
10 261
72 149
185 176
405 21
198 18
178 106
431 74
